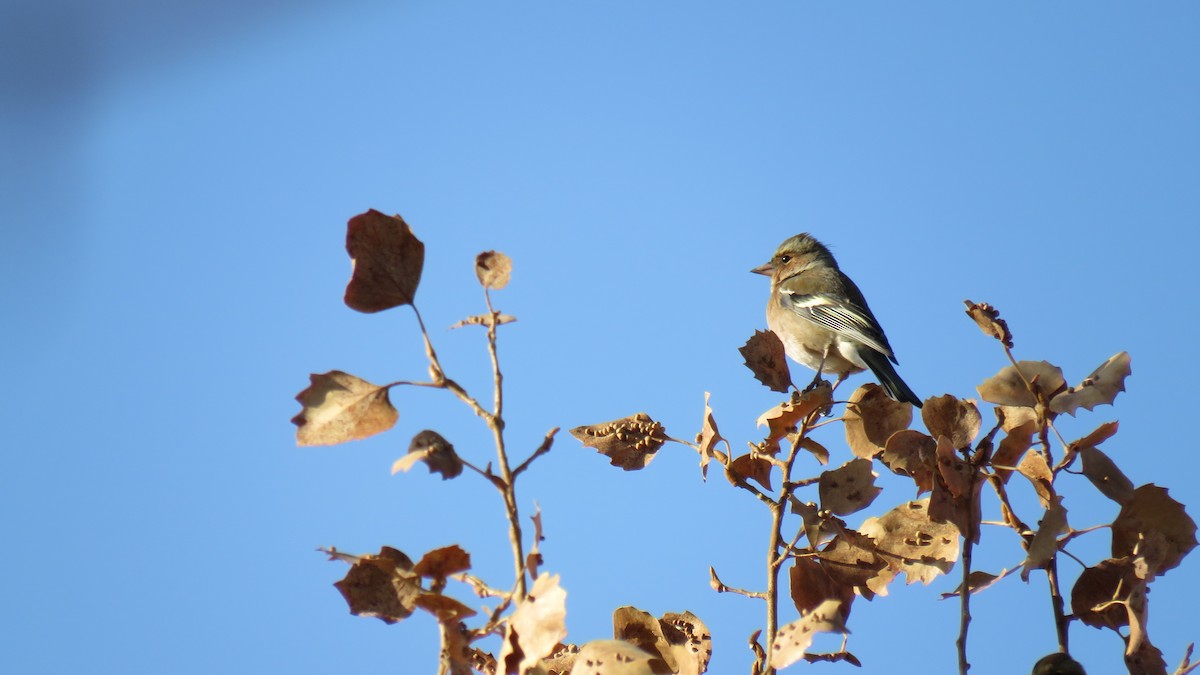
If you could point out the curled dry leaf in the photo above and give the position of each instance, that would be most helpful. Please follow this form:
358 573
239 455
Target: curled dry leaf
1012 448
1101 387
913 454
690 640
1035 468
794 639
443 562
1152 515
560 661
339 407
818 451
383 586
485 320
387 260
709 437
443 607
953 470
849 488
611 657
1045 541
811 586
977 581
1105 475
871 418
765 358
850 559
629 442
750 467
1008 387
957 420
783 418
534 559
912 543
989 321
1098 594
536 626
429 447
493 269
642 630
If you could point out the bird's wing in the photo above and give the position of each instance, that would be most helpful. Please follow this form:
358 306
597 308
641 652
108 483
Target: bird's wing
836 314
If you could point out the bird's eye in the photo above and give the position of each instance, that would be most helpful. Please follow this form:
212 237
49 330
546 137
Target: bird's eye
785 259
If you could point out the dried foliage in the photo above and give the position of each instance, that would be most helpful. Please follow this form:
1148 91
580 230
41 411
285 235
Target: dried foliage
955 460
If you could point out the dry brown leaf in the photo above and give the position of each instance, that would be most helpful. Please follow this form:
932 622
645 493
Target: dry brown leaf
1012 448
1105 475
534 559
436 452
642 630
496 319
871 418
912 543
849 488
1045 540
794 638
493 269
766 359
954 470
381 586
629 442
387 260
1099 590
989 321
957 420
818 451
782 419
913 454
611 657
536 626
814 523
1101 387
964 511
709 437
339 407
811 585
445 608
442 562
751 467
976 582
851 561
1008 388
690 640
560 661
1034 467
457 657
1151 514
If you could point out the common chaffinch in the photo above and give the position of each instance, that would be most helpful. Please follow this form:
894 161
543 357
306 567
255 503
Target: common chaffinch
823 319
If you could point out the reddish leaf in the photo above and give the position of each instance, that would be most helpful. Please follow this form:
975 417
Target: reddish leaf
752 467
340 407
1152 516
811 585
387 261
442 562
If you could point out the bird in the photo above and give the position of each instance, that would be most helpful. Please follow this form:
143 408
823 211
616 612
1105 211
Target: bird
823 319
1058 664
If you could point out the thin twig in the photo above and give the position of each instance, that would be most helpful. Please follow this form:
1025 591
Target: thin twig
541 450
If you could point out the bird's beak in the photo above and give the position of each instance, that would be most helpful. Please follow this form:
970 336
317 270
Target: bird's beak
765 269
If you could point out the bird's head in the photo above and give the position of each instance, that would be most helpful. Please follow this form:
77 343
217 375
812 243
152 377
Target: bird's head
794 256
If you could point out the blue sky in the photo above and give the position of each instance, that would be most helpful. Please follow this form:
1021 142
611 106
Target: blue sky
176 179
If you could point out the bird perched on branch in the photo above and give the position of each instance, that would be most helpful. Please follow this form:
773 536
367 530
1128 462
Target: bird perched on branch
1058 664
823 319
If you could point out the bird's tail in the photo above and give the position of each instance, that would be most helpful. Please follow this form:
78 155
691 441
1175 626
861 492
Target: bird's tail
888 377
